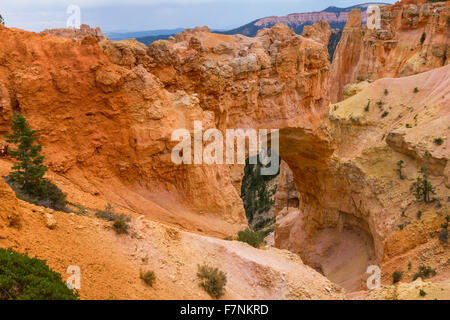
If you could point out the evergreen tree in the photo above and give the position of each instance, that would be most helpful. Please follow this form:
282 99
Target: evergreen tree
423 187
2 21
29 169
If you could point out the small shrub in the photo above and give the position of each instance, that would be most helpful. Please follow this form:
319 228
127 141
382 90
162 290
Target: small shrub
120 224
366 108
422 293
213 280
409 265
253 238
380 104
396 276
408 126
423 37
443 236
148 277
400 166
416 90
419 214
386 92
49 195
385 113
120 221
80 209
25 278
424 272
438 141
56 197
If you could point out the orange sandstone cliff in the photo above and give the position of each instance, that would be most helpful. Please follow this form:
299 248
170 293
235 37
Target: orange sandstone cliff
412 38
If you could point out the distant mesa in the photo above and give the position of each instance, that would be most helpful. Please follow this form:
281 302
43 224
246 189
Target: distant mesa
336 18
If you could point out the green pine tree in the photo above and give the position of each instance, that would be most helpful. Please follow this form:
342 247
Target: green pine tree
29 170
423 187
2 21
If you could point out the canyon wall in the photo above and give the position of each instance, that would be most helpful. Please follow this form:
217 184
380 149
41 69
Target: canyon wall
357 203
412 38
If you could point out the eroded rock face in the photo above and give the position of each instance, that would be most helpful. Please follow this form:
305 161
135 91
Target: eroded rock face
412 38
273 80
83 32
319 31
286 195
105 112
352 201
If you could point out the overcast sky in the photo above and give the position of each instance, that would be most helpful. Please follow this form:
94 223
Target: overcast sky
132 15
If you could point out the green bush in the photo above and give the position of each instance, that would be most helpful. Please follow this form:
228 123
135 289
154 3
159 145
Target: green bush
397 276
212 280
400 166
422 293
443 235
416 90
253 238
422 186
120 224
419 214
384 114
366 108
25 278
148 277
49 196
56 198
423 37
80 208
438 141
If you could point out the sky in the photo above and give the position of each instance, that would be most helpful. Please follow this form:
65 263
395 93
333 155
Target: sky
134 15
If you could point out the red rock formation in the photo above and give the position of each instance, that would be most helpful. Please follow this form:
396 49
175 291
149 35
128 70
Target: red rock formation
412 39
106 114
77 34
319 31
